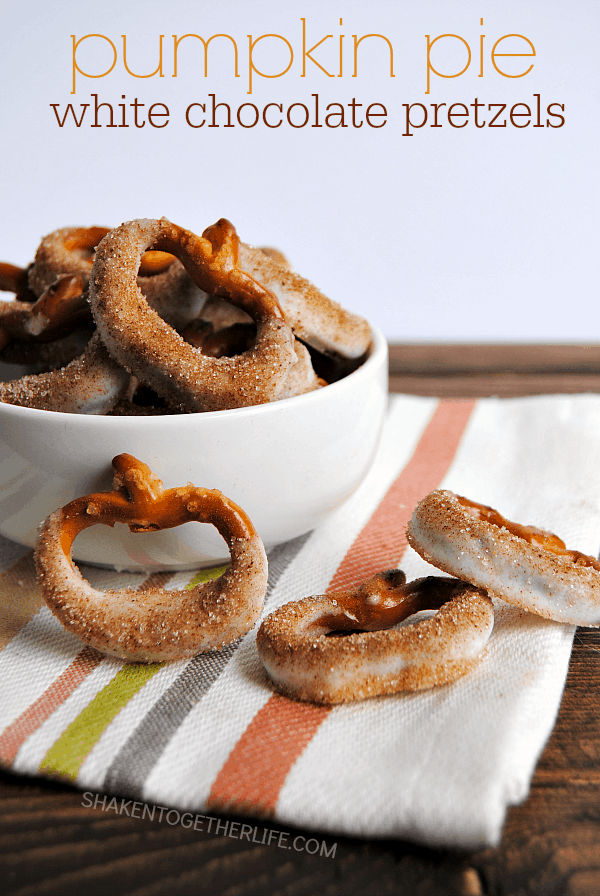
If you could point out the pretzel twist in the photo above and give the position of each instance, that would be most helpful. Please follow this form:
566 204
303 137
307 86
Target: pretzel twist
526 566
60 308
140 340
313 317
163 280
93 382
307 662
155 624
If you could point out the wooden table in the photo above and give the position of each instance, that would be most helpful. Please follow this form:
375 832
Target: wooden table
51 844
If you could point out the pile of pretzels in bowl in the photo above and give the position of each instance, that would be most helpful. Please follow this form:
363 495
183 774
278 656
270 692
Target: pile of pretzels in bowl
207 359
150 318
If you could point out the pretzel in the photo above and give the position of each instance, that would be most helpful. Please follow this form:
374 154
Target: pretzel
523 565
238 338
305 660
164 282
16 279
60 308
153 625
315 319
69 250
91 384
139 339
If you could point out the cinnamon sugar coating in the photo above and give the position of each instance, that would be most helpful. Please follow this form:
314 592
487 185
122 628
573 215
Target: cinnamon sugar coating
143 297
69 250
313 317
91 384
522 565
156 624
138 338
307 662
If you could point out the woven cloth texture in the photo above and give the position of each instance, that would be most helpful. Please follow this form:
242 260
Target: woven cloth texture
210 735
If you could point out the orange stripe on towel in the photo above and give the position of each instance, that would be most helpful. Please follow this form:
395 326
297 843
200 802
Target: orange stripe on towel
255 771
13 737
34 716
382 541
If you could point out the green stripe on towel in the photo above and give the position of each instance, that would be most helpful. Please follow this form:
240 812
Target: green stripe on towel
66 755
206 575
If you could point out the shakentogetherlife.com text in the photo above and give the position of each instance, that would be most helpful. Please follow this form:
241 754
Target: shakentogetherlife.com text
208 824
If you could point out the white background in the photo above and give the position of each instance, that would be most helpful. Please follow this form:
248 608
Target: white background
452 234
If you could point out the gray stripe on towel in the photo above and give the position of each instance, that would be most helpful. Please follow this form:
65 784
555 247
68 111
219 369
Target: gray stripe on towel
140 753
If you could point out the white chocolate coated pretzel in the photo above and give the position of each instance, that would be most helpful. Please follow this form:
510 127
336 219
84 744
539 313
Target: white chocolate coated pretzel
153 625
138 338
307 662
91 384
523 565
313 317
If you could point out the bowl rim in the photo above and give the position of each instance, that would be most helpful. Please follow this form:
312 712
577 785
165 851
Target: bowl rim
377 354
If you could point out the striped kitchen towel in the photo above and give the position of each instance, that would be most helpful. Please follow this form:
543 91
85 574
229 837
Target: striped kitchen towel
210 735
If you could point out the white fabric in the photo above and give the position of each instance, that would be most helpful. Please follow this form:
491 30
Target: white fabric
438 767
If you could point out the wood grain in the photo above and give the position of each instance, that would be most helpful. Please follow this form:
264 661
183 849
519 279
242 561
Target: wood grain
51 844
471 371
460 359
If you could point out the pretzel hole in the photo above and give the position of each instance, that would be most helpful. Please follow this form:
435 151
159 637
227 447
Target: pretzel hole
150 549
155 262
332 367
145 397
413 619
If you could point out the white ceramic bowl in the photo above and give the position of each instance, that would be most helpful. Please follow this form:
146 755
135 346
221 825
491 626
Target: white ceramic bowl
288 464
